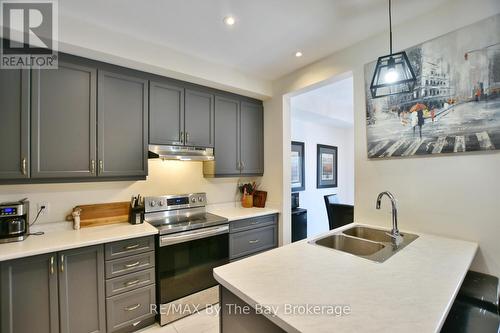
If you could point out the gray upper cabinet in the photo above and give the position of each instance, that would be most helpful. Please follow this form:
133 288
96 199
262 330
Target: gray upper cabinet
252 139
239 139
227 136
122 125
166 114
63 117
14 124
199 119
82 299
29 301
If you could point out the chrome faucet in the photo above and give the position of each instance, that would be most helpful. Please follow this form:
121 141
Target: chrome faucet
396 236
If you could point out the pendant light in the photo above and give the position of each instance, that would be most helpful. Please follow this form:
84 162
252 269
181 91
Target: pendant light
393 73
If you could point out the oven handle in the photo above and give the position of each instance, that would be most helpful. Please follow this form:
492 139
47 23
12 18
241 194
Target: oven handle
193 235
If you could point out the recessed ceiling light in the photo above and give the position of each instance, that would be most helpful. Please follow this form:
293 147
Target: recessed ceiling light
298 54
229 20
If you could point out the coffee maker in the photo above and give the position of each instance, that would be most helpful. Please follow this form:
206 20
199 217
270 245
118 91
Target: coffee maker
14 222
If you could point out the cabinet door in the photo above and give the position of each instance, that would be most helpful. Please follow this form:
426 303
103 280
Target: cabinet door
199 119
227 136
63 122
14 124
122 125
166 114
81 290
29 295
252 139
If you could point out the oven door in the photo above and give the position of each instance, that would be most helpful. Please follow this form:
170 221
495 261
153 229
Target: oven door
186 261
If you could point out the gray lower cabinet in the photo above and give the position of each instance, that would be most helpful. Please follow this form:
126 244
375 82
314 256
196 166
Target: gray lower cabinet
166 114
251 236
130 284
14 124
239 321
82 290
63 118
56 292
29 295
239 139
122 124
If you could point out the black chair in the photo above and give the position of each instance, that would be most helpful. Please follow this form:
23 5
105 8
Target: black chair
338 214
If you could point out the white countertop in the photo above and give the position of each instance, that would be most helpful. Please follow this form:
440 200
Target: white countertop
233 211
60 236
410 292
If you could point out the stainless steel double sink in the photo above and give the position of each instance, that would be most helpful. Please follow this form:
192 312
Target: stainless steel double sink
374 244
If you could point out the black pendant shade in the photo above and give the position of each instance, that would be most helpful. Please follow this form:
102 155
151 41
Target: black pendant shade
393 73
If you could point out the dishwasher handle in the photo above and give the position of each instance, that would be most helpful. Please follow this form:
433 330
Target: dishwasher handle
187 236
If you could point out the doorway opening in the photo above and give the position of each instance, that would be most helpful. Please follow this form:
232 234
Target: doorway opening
321 153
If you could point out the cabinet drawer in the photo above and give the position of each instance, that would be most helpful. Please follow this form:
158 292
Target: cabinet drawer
251 223
129 308
130 264
129 247
129 282
252 241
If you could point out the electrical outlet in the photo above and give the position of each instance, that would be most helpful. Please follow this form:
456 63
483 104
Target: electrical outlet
41 204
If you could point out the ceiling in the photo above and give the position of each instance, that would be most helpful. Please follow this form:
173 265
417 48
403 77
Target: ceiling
330 104
266 35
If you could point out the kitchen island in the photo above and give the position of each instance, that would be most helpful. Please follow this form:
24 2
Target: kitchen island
304 287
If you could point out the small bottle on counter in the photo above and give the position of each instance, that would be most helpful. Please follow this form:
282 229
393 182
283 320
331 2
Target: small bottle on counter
76 219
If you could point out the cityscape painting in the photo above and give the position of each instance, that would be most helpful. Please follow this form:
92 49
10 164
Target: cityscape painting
455 106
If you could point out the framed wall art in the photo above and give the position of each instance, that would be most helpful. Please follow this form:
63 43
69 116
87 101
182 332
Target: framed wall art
327 165
298 167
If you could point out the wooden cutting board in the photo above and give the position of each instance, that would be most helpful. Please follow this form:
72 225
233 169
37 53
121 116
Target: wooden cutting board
103 214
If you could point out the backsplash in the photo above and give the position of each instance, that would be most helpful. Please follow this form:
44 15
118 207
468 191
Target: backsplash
165 177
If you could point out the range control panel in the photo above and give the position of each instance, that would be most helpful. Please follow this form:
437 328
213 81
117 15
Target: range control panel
171 202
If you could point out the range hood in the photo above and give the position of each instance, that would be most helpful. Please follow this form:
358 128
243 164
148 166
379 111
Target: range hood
181 153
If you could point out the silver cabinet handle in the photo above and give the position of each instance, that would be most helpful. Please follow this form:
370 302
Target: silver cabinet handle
131 283
238 165
182 137
92 166
133 265
131 247
23 166
186 236
187 137
254 241
137 323
242 165
101 166
51 265
62 263
255 222
133 307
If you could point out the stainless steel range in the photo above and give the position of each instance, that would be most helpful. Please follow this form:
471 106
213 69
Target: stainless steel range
190 244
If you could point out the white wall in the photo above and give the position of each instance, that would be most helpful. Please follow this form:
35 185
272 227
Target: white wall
459 199
165 177
312 132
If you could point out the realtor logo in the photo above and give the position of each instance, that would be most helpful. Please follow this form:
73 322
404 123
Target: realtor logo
29 31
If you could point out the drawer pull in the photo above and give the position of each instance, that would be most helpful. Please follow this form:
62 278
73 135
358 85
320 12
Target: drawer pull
133 264
132 308
131 283
131 247
253 241
254 223
137 323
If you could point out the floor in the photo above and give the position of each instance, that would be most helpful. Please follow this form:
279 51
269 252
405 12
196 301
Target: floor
201 322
